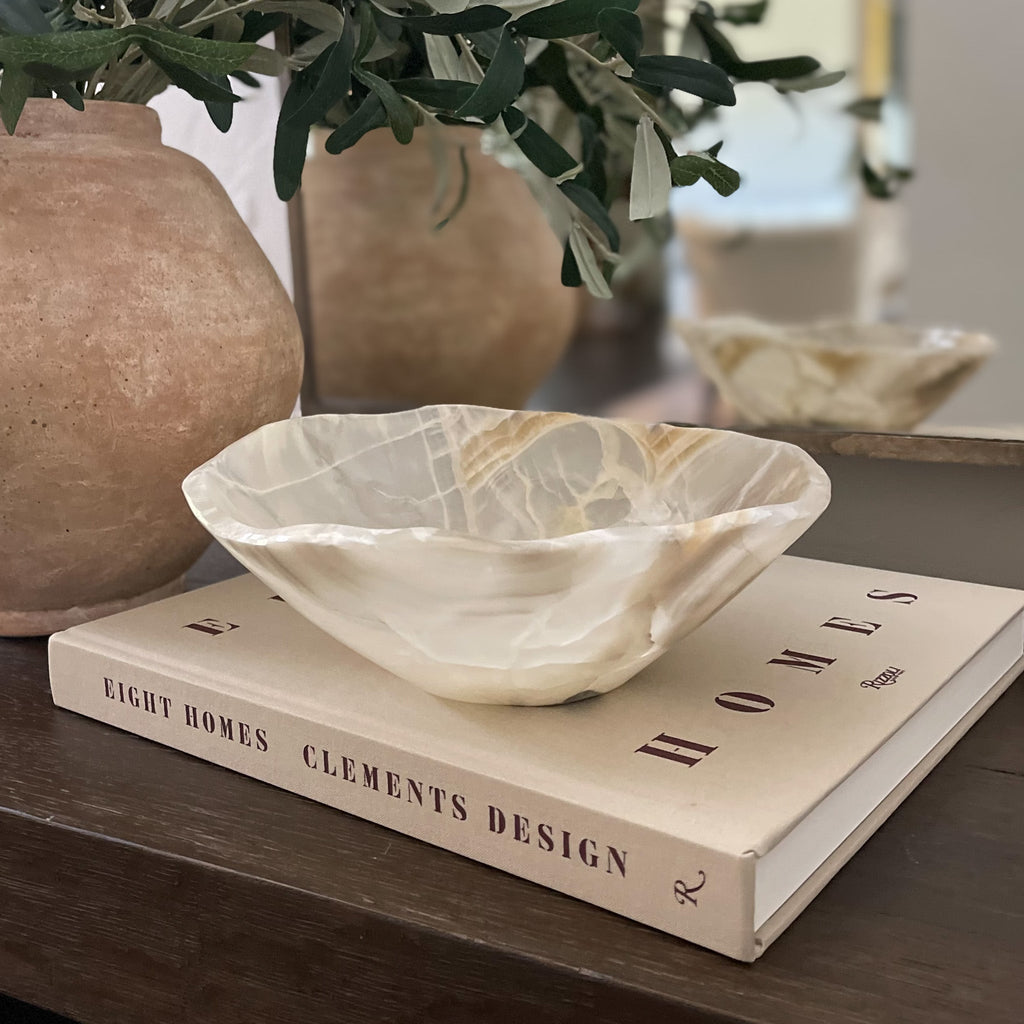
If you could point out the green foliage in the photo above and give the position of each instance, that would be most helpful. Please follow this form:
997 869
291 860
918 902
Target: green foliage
722 53
23 17
568 18
691 167
123 51
572 93
744 14
624 31
473 19
502 82
547 155
696 77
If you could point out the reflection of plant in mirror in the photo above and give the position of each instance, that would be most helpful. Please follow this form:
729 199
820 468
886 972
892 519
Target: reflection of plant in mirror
518 69
881 178
360 65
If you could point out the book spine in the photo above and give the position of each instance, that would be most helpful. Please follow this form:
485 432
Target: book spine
648 875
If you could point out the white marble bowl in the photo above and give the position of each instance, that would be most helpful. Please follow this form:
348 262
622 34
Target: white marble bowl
858 376
505 557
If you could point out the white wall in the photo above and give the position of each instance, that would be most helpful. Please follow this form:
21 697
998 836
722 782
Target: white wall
242 159
966 203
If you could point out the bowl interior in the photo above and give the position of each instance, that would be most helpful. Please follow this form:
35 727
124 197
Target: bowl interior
496 475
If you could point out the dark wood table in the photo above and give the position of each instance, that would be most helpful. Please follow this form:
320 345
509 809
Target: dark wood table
141 886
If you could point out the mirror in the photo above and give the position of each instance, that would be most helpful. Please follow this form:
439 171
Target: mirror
802 239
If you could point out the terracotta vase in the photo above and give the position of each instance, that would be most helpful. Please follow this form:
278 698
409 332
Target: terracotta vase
473 313
144 330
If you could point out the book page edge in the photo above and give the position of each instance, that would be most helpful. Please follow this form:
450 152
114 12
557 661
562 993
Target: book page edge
786 914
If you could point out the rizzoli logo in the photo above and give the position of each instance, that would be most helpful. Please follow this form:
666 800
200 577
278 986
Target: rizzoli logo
886 678
684 892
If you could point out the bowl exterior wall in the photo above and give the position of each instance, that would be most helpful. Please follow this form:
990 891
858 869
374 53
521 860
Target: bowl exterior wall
779 376
537 622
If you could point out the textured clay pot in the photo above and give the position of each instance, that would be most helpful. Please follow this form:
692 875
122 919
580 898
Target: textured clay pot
473 313
144 330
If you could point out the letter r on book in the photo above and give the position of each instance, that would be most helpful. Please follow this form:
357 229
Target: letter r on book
674 749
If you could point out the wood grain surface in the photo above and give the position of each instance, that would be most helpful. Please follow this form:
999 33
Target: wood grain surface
958 450
139 885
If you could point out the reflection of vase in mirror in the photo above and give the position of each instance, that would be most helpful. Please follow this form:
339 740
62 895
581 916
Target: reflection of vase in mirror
406 313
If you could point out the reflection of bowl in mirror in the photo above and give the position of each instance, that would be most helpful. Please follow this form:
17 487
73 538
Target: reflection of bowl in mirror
860 376
505 557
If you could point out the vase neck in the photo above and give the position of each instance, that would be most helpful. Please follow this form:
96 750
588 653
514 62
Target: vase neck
50 118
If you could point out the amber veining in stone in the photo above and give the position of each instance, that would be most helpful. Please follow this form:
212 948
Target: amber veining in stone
505 557
857 376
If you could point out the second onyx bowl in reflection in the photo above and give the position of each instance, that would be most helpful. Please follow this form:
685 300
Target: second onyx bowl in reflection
835 374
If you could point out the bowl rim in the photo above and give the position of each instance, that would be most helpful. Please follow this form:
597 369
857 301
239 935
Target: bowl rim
813 500
971 343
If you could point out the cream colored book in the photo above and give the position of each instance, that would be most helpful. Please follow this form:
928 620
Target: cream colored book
711 797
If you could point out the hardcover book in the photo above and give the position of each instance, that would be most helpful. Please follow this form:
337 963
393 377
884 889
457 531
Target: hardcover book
712 796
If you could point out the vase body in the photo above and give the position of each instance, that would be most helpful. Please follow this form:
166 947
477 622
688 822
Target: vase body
144 330
472 313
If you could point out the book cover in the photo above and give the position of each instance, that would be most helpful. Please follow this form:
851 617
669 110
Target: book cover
711 796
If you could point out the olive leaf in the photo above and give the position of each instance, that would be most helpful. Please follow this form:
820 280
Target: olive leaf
744 14
67 56
258 24
265 61
70 95
884 185
314 13
696 77
595 150
586 201
398 113
15 89
567 18
23 17
200 85
867 108
367 32
221 113
331 77
571 277
443 58
587 265
370 115
473 19
444 93
624 30
62 56
538 147
810 82
724 55
502 82
291 138
691 167
651 180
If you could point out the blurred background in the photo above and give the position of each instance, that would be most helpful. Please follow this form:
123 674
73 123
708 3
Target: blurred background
801 239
